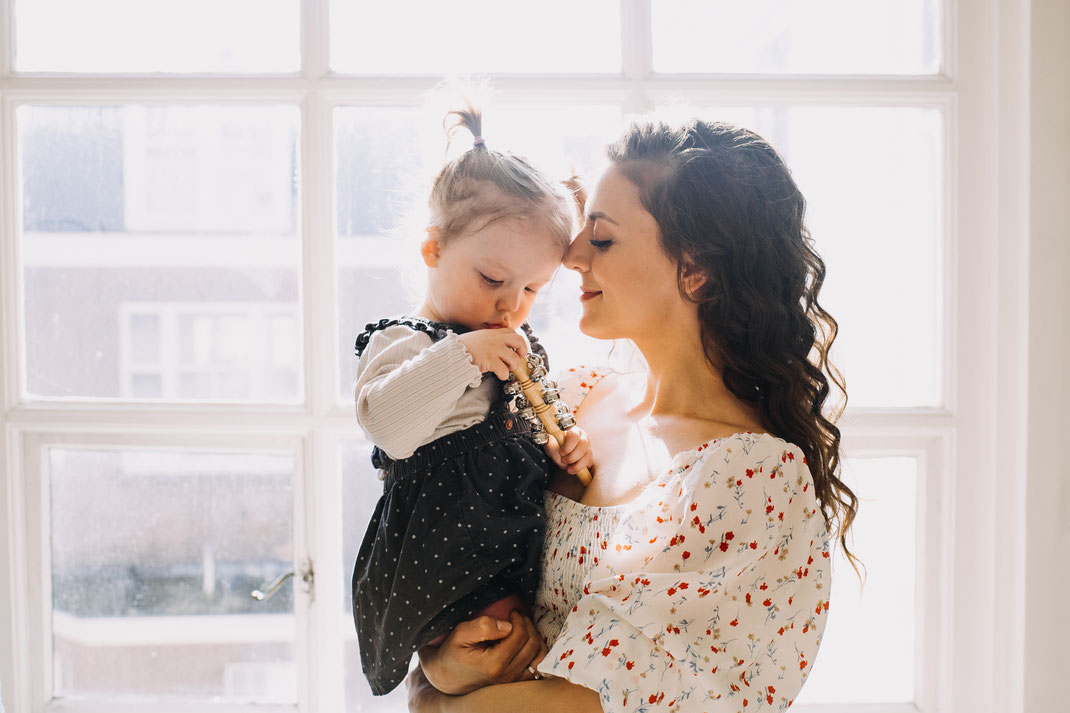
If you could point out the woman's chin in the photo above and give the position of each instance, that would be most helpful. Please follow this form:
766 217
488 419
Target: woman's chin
596 329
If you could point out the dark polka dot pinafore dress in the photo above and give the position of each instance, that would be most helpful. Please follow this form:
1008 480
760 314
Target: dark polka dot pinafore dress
458 527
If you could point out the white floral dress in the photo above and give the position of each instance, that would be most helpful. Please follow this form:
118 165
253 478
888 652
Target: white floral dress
707 593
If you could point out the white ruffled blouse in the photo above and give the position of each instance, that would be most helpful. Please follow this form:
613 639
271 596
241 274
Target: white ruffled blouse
707 593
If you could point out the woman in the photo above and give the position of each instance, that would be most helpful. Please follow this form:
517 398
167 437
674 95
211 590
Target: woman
693 573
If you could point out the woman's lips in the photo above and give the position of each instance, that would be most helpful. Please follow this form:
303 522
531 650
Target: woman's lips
589 294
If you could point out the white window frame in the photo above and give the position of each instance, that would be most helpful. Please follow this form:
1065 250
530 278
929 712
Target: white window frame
971 624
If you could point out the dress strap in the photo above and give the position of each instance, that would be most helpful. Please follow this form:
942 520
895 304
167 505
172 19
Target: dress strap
435 330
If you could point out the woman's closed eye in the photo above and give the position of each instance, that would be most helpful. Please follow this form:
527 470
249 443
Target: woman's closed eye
600 244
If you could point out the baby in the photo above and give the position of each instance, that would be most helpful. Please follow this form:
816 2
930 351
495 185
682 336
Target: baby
458 530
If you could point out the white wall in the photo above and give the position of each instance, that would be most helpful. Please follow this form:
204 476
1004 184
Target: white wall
1047 636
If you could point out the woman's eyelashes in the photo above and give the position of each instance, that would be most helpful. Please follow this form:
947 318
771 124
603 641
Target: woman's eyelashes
600 244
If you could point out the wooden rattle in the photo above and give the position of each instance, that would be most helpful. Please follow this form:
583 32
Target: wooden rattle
537 401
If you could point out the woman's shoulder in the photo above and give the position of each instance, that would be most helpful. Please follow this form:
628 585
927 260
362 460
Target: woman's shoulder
742 459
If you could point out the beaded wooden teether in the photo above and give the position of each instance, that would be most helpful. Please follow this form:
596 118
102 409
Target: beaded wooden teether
540 405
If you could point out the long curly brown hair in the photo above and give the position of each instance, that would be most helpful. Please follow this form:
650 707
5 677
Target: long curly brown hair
726 204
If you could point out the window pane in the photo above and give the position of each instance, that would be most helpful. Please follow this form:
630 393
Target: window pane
797 36
154 556
481 36
873 182
868 649
161 241
134 36
385 160
360 492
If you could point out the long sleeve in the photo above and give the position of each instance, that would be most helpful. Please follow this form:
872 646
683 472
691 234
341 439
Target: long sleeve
407 385
707 596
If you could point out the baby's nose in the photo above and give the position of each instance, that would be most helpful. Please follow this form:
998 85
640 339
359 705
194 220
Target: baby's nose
509 301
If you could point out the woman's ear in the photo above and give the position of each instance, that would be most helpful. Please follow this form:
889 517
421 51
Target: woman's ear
692 279
431 248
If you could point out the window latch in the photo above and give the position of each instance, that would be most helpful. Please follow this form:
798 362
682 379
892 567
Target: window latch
308 579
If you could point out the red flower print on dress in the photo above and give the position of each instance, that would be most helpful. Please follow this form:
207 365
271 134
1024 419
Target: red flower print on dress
704 638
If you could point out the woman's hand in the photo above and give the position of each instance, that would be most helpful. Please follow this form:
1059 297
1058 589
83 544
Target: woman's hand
574 454
495 350
483 651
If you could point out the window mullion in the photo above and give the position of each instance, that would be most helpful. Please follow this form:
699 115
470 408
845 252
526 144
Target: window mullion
10 274
315 38
317 231
7 37
637 53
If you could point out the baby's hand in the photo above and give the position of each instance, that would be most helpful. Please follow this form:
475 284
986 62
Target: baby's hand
574 454
495 350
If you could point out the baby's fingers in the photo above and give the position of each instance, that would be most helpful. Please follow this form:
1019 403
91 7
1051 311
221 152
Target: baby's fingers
500 368
517 343
573 438
554 451
586 461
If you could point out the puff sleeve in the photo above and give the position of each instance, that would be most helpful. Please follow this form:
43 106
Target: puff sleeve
407 385
709 593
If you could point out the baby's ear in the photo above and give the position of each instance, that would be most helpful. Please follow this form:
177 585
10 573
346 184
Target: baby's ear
431 248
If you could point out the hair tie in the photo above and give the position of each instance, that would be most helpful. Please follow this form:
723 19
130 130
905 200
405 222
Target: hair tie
478 142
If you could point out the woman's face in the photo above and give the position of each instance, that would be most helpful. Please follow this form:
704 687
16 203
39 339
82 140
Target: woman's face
629 283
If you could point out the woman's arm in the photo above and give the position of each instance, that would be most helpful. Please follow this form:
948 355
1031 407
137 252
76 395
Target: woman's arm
485 661
548 695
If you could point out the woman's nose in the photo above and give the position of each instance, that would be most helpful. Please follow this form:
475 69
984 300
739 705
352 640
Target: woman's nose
578 256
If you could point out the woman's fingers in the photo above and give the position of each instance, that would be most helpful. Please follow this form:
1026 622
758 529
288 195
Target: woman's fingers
517 669
480 629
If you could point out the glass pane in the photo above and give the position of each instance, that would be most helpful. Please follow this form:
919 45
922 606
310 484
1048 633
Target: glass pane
797 36
161 239
867 653
154 555
386 158
360 492
873 182
480 36
134 36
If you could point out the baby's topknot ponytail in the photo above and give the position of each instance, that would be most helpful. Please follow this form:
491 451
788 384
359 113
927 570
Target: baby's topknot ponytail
470 118
483 185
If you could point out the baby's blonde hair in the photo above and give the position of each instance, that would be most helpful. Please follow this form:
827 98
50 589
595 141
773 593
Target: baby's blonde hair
484 185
